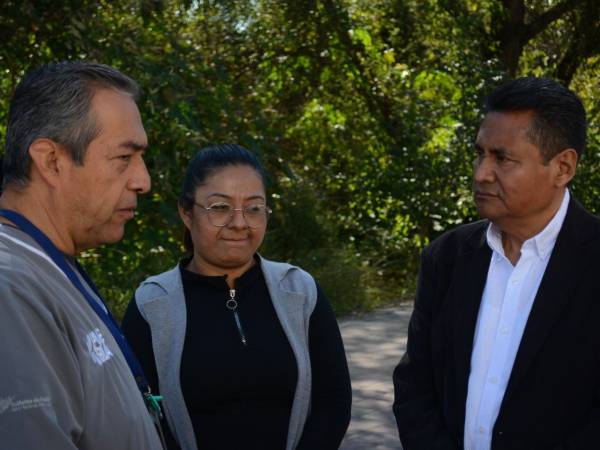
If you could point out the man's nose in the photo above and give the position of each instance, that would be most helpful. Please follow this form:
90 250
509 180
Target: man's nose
484 169
140 180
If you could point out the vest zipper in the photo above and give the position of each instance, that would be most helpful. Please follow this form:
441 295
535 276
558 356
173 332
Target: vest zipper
232 305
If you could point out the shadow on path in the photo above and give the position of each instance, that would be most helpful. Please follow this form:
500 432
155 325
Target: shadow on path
374 344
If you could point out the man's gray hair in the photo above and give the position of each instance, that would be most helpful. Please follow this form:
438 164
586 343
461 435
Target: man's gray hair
54 102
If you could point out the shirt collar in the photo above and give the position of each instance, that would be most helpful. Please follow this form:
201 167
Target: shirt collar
220 281
542 243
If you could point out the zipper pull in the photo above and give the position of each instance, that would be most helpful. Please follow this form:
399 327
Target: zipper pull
232 305
232 302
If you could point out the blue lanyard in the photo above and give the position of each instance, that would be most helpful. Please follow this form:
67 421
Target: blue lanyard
59 259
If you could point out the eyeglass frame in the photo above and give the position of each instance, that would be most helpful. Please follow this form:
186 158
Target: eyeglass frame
268 212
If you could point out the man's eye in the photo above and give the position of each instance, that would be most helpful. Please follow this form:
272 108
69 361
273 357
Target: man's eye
125 157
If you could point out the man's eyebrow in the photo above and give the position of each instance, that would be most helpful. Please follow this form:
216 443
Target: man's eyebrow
495 150
133 145
498 150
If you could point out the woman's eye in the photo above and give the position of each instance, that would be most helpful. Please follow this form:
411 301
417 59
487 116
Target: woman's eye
220 207
254 209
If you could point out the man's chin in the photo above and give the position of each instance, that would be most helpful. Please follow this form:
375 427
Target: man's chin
485 212
113 236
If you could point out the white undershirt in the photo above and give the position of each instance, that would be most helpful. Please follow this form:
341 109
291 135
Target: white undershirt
505 306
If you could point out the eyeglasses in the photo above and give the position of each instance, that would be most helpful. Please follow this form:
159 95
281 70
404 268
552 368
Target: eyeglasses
220 214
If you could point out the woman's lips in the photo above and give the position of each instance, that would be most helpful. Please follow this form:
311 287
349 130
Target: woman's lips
235 241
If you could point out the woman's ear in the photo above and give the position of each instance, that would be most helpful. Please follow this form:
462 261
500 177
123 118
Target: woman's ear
186 216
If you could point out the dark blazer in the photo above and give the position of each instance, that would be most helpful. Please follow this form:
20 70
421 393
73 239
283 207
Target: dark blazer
552 400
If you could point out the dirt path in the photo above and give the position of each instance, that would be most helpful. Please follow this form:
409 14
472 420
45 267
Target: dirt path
374 344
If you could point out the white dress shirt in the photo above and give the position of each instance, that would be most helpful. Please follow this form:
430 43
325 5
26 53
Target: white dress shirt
505 306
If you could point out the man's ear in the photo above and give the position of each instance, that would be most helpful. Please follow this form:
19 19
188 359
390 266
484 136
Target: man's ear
47 160
566 165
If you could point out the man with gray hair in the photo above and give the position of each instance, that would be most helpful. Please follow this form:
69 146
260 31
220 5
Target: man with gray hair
73 168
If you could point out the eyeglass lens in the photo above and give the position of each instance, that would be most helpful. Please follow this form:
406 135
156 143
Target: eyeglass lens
220 214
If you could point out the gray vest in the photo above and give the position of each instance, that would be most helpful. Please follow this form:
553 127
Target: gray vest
161 303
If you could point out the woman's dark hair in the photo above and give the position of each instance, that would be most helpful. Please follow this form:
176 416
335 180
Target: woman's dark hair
205 163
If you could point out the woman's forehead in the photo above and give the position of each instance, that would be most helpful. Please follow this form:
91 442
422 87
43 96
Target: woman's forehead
233 182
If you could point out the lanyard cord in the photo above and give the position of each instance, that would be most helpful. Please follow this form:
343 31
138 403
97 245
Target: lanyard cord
59 259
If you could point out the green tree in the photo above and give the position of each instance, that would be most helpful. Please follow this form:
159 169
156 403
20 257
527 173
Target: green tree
363 112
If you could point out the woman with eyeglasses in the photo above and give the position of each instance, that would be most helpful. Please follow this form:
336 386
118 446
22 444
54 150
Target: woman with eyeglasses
246 352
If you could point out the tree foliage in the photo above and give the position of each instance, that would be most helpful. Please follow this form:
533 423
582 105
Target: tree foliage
364 113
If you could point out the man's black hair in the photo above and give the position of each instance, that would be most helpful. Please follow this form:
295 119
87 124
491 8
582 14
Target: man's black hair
559 119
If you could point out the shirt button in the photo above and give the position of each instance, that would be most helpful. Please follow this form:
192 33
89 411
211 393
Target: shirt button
514 280
504 331
481 430
493 380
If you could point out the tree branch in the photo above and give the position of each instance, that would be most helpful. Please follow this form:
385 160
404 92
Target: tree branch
542 21
584 44
377 106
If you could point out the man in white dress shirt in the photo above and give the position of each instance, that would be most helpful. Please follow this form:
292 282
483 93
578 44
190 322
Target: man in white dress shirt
504 342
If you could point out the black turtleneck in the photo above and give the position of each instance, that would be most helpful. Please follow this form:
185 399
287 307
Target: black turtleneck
240 395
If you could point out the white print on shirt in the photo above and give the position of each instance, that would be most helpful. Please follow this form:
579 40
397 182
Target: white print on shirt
12 405
99 352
